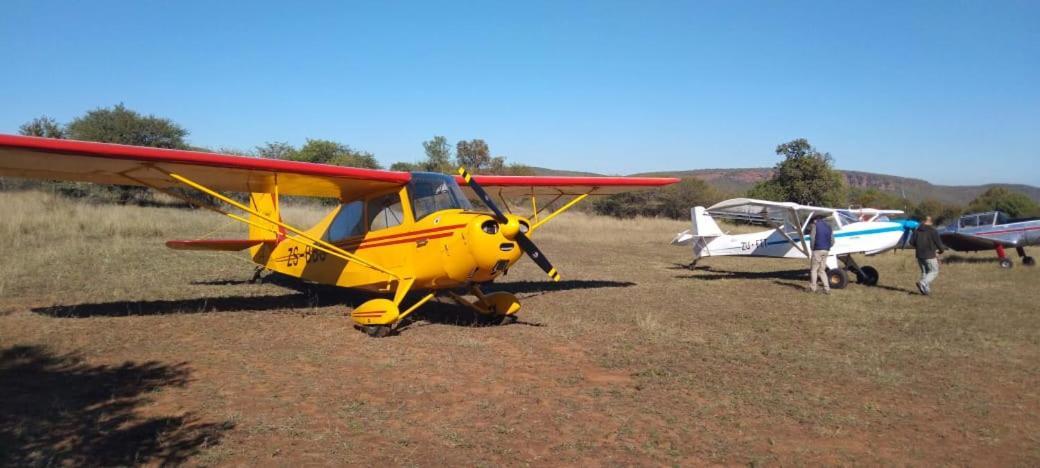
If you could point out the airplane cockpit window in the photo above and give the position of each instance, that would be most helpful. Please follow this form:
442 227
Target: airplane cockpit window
847 218
431 193
1002 218
347 222
969 221
987 219
385 212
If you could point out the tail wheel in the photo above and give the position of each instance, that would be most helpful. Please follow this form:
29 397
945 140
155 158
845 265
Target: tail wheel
1028 261
868 276
1006 263
837 278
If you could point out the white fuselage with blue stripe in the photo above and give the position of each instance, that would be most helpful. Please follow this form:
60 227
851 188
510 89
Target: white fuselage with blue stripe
869 235
863 237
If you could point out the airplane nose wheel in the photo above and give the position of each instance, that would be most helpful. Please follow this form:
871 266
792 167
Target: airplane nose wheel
1006 263
376 331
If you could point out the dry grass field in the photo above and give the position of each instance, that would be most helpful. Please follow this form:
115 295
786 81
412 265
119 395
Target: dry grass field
116 350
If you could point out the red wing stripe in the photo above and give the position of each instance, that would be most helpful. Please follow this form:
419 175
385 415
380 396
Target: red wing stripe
564 181
160 155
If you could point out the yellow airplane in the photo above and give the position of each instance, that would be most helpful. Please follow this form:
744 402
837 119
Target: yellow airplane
392 233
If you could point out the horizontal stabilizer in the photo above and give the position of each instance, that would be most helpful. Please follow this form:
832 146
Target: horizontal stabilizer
228 245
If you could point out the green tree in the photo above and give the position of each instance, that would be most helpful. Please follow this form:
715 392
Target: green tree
939 211
1015 204
276 150
405 167
673 201
677 199
874 198
42 127
124 126
804 176
628 205
438 156
331 152
474 155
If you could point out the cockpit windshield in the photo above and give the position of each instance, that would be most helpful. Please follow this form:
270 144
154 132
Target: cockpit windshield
431 192
847 218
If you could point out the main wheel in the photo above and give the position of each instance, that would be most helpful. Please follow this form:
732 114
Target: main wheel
376 331
868 276
1028 261
837 278
1006 263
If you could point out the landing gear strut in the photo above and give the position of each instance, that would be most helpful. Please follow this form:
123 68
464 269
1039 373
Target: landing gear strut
865 275
495 308
1005 262
1026 259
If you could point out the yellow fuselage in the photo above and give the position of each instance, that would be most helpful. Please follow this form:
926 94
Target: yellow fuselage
446 249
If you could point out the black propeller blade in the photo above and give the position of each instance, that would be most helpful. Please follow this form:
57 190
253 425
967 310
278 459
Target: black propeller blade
525 243
482 194
537 255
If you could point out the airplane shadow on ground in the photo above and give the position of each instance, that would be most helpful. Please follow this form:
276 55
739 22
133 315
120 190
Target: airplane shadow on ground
58 410
780 277
307 296
714 274
954 259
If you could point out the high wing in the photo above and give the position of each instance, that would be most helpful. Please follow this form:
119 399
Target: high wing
521 186
777 213
105 163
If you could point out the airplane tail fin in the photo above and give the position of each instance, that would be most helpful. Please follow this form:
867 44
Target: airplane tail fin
703 224
704 230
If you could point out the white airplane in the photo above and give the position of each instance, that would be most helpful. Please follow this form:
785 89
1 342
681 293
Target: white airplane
856 231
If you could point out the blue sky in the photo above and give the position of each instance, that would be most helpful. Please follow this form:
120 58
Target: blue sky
945 91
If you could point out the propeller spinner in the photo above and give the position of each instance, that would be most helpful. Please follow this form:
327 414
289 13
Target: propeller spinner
516 232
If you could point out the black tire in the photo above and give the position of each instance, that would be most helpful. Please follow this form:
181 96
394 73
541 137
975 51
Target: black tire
1006 263
868 276
1028 261
376 331
494 320
837 278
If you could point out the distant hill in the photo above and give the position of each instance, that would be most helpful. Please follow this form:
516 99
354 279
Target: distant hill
544 171
737 181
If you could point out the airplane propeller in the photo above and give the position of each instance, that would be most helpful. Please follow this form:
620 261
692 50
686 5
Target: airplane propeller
521 238
909 226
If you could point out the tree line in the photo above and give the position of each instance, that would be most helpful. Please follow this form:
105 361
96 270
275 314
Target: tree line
803 175
121 125
807 176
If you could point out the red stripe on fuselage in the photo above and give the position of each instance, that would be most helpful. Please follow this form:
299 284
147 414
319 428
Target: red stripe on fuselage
1006 231
350 243
410 239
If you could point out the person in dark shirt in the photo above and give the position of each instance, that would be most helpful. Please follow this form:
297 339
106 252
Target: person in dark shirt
821 239
929 246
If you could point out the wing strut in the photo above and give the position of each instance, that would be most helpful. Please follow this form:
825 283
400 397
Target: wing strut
301 236
563 208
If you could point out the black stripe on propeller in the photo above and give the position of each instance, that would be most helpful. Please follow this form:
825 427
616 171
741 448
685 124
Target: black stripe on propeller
525 243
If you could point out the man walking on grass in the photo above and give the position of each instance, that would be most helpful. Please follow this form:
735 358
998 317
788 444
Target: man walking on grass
929 246
821 238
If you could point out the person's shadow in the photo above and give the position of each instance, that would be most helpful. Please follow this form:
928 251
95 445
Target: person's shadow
57 410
